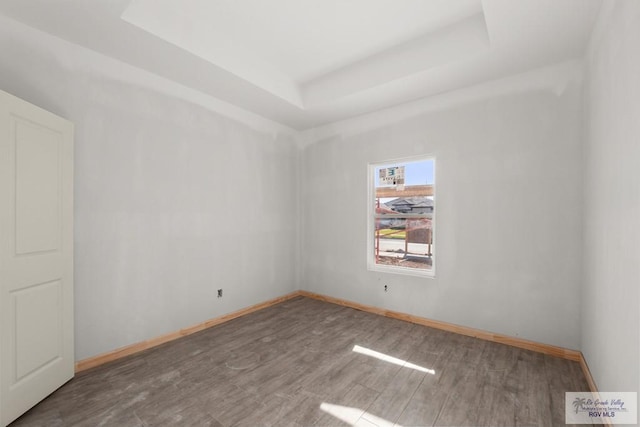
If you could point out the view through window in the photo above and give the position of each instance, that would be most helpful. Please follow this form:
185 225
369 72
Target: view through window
402 216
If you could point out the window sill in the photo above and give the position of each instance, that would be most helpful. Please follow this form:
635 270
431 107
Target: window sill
429 274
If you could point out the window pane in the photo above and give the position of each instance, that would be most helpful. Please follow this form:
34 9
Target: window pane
404 242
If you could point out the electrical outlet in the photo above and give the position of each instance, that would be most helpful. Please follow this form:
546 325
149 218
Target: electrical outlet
386 288
219 293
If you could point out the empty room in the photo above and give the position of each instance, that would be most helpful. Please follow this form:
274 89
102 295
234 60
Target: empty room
319 213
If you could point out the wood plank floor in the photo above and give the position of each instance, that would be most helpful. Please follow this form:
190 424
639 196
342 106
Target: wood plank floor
309 363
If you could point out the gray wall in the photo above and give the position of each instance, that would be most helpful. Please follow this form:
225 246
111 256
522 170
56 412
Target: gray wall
610 304
508 207
172 201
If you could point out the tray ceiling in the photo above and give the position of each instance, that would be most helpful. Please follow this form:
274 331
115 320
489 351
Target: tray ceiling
305 63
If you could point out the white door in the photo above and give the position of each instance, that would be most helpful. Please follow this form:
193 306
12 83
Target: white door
36 255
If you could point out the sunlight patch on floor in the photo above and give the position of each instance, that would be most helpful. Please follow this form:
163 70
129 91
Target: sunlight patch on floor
355 416
391 359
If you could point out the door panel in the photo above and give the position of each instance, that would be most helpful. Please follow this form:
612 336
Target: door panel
38 185
36 255
38 327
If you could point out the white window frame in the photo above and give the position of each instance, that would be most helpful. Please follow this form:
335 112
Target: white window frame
371 218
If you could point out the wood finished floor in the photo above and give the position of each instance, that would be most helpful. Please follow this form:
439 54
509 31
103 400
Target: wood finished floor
294 364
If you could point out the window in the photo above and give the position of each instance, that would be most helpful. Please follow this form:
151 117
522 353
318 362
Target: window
402 216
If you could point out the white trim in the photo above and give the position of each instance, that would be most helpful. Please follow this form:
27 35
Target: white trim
405 271
371 264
